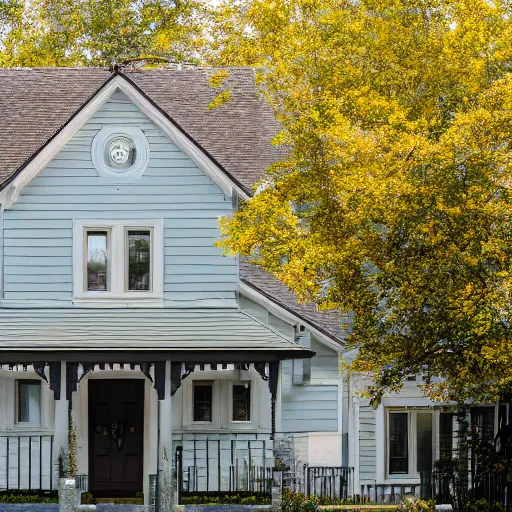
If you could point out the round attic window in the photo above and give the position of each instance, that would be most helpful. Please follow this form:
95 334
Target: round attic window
120 151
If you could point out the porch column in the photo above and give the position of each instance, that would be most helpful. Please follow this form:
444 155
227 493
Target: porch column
61 422
166 481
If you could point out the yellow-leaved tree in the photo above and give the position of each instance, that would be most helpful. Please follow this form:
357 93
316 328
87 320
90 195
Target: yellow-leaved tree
396 188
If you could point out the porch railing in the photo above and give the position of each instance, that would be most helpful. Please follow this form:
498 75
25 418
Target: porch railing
384 494
224 466
26 462
329 481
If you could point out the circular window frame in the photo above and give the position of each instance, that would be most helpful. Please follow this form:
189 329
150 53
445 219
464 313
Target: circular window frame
104 136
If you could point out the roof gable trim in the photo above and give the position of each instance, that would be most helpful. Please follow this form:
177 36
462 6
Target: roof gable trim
11 188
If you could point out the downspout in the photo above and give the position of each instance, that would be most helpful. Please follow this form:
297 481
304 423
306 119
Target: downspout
158 461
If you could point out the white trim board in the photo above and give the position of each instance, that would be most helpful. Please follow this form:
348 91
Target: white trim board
10 193
284 314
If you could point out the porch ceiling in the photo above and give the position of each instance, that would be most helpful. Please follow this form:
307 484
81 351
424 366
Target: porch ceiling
127 335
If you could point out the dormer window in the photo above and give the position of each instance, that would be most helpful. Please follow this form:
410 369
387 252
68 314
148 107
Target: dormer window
118 260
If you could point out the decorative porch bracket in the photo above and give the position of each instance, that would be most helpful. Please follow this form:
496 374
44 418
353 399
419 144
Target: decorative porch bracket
159 383
55 379
71 379
271 378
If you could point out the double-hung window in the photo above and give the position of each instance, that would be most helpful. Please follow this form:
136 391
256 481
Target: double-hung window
203 401
28 402
118 260
409 442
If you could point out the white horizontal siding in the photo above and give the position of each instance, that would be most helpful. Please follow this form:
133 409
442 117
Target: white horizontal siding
38 228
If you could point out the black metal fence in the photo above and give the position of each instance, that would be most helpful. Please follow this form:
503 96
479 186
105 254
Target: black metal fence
210 467
493 488
329 481
384 494
26 462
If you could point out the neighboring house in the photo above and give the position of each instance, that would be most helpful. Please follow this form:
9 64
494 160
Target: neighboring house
127 339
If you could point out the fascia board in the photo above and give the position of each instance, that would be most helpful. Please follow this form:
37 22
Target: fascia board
182 141
10 193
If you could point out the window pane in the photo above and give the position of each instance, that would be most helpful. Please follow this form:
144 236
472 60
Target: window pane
242 402
398 443
482 420
139 260
29 402
97 260
424 441
203 402
446 434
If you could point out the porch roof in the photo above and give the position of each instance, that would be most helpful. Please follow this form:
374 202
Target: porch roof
132 334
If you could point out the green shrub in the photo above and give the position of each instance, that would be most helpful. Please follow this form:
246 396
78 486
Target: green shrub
297 502
22 496
227 499
483 506
412 504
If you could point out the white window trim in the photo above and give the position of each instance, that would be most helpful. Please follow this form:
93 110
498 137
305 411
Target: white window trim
412 472
27 425
188 405
141 146
222 403
117 263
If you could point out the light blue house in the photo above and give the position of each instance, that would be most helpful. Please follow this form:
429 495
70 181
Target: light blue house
128 343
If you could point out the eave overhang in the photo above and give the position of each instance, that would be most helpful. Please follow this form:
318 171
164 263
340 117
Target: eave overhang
133 335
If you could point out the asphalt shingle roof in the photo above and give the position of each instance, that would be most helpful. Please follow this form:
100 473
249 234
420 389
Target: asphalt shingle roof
36 102
328 322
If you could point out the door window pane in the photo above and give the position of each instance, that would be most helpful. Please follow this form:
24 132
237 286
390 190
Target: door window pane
424 441
97 256
139 260
398 443
242 402
29 402
203 402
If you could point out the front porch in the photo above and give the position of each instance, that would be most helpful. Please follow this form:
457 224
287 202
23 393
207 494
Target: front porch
118 393
115 424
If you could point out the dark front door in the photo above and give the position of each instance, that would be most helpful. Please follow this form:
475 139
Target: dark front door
116 437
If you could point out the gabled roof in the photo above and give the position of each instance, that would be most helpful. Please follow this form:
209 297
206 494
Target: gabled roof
36 102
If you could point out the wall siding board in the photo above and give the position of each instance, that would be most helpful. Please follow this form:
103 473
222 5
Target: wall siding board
309 408
367 443
38 228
